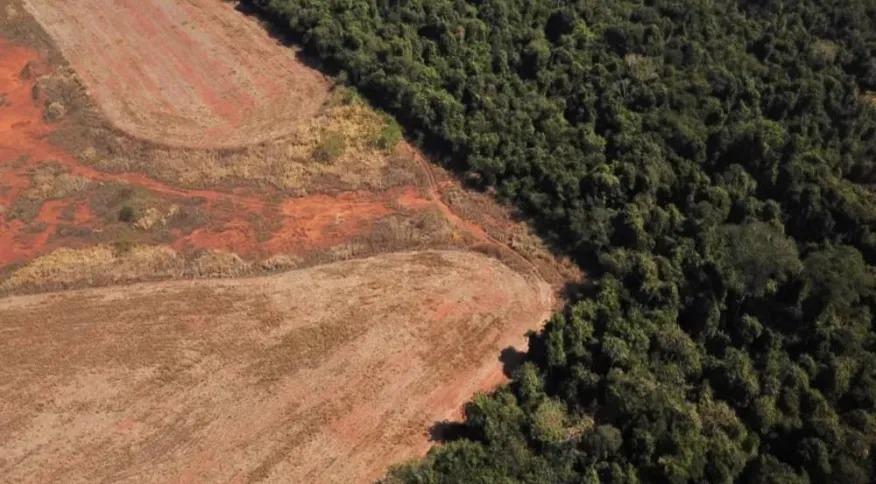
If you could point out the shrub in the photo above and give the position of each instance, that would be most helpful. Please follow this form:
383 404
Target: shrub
388 136
127 214
330 147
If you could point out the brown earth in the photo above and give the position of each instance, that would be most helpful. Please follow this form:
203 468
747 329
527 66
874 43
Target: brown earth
324 374
186 73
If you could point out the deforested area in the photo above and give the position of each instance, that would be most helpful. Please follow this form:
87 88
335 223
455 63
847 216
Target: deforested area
219 265
712 165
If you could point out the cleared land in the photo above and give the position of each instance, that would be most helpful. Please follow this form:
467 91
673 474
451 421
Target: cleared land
186 73
326 374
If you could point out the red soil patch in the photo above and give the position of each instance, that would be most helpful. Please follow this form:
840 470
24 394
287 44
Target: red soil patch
297 225
189 73
21 132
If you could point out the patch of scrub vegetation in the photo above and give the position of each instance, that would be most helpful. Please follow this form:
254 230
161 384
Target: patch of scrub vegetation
347 146
388 135
99 265
712 163
330 147
124 262
137 212
48 181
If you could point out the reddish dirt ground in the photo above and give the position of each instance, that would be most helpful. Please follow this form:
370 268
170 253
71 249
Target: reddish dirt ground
185 73
326 374
299 225
21 127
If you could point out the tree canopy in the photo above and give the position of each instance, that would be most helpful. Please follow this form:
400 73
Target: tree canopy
718 159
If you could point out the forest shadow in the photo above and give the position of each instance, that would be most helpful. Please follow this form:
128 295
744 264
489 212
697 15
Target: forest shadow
447 431
511 359
285 37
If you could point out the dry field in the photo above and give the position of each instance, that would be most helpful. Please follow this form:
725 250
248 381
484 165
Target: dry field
328 374
185 73
303 307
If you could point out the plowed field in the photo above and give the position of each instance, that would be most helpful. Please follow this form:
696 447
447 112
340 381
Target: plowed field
186 73
327 374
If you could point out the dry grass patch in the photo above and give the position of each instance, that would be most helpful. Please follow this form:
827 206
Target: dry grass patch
219 264
92 266
428 228
348 146
125 262
49 181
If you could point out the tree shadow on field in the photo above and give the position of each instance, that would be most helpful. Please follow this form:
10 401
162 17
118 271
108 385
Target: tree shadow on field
511 359
448 431
283 36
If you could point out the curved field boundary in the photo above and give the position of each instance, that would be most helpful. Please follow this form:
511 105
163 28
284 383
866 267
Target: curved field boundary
328 374
188 73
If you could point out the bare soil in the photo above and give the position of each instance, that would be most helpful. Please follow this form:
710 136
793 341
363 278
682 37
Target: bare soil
190 73
327 374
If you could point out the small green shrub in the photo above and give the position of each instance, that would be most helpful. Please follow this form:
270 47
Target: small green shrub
127 214
388 136
330 147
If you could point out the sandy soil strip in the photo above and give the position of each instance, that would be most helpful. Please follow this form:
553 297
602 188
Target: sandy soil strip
328 374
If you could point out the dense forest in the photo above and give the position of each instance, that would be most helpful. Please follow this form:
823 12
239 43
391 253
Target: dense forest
713 164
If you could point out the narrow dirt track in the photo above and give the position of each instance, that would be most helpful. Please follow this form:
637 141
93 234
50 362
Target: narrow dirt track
191 73
327 374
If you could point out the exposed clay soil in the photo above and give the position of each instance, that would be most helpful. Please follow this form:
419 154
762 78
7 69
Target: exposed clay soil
318 375
190 73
